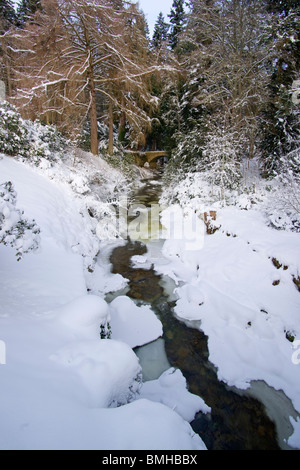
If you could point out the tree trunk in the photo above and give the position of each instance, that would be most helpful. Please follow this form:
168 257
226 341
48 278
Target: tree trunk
93 118
7 70
122 124
9 86
111 128
252 145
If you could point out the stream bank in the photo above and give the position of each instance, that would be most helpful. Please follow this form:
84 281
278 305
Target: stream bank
238 421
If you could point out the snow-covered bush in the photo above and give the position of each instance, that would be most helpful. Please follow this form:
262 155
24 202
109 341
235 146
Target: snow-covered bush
214 154
83 140
281 138
15 230
31 140
188 152
221 154
44 141
285 214
13 131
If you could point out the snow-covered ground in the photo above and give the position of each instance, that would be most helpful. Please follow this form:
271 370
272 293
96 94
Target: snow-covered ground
239 284
62 387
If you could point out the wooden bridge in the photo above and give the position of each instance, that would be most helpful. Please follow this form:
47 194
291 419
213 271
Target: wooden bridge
147 157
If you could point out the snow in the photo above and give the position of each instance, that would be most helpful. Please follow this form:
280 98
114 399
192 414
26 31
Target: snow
244 315
295 438
171 390
85 315
132 324
100 280
106 378
239 286
63 387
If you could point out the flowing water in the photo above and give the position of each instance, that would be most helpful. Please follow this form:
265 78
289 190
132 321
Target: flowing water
237 421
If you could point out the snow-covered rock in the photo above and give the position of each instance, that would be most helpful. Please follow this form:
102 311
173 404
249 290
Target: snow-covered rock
171 390
108 370
132 324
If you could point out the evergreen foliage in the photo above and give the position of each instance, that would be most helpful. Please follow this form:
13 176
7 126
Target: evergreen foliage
282 6
177 20
15 230
160 34
26 10
215 86
280 122
188 154
32 141
221 158
13 133
7 15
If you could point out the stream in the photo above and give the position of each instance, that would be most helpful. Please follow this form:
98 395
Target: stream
237 421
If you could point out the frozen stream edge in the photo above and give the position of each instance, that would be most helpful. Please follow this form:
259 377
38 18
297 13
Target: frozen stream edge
279 407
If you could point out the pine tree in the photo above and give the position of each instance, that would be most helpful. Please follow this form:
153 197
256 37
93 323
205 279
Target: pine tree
221 158
26 9
282 6
224 46
7 15
160 34
177 20
279 121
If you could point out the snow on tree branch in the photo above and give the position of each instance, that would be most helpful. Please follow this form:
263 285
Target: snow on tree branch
15 230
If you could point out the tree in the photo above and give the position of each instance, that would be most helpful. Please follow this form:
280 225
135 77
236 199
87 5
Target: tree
133 98
282 6
170 110
7 20
7 15
77 55
160 34
221 158
279 121
34 53
177 20
226 43
26 10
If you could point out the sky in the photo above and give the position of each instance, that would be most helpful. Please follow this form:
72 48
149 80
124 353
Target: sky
152 8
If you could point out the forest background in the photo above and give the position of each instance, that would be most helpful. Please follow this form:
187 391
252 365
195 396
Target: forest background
215 85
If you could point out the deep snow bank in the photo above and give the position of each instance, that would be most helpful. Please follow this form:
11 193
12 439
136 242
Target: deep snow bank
240 285
59 378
